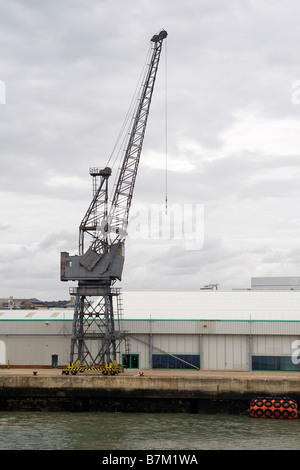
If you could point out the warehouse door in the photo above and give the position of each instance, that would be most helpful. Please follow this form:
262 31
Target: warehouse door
225 352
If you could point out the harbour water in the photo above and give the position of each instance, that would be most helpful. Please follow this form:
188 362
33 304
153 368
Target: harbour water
146 432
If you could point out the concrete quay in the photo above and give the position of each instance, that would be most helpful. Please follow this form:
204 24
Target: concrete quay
141 391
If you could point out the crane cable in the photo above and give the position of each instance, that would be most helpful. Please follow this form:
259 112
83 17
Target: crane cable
127 120
125 129
166 130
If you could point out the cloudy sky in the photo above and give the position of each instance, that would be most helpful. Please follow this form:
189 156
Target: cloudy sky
223 131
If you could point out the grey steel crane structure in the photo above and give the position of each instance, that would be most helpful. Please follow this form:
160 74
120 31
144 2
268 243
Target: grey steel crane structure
96 334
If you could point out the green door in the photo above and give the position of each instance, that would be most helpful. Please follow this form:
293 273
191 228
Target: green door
54 360
130 361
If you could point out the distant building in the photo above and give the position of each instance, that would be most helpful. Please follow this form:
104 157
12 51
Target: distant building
275 283
10 303
27 303
7 303
210 287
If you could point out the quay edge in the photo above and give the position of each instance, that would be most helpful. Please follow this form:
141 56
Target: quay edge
196 392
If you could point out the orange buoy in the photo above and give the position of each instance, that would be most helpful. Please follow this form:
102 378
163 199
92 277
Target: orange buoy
276 408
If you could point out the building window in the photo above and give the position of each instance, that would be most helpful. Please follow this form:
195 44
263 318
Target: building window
180 361
274 363
130 361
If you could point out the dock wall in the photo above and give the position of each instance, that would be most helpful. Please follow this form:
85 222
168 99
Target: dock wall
197 394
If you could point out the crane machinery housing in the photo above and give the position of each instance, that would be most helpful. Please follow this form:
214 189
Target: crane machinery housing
96 334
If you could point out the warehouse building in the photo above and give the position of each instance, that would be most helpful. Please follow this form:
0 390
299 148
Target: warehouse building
207 329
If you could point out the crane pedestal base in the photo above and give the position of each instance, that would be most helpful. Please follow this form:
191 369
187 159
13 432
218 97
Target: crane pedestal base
96 335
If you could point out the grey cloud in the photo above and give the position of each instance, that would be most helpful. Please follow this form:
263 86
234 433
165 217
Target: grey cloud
70 70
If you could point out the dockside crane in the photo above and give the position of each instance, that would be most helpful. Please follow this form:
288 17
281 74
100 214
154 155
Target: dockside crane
96 334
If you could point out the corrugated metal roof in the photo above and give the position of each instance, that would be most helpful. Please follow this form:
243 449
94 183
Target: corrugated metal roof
189 305
38 314
213 305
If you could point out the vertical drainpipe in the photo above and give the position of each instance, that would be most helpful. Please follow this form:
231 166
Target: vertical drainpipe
250 345
150 344
250 352
200 350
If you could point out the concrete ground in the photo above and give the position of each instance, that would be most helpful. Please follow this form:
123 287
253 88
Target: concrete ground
45 372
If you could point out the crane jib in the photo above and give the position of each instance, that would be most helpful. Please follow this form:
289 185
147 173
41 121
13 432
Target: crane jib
126 181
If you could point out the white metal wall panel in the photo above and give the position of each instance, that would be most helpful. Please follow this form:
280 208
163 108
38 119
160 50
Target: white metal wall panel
34 350
213 327
180 344
273 345
45 327
275 328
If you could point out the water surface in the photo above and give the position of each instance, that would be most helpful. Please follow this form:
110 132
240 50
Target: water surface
118 431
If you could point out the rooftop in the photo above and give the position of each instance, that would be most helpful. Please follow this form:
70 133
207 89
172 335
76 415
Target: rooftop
189 305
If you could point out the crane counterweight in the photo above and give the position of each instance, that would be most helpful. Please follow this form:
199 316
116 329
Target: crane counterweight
158 37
